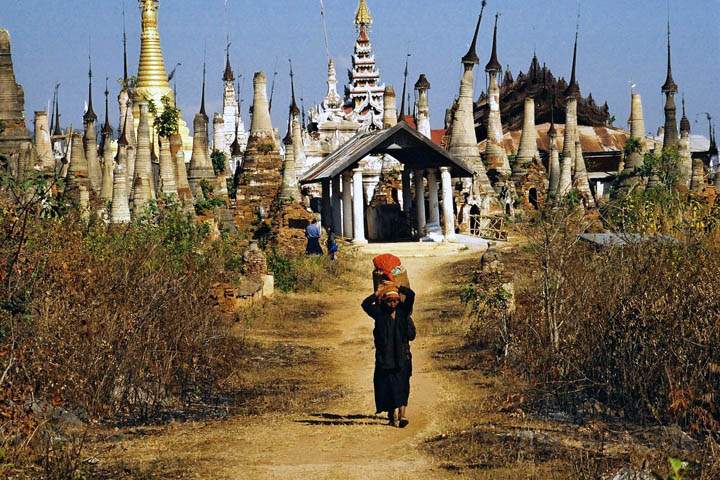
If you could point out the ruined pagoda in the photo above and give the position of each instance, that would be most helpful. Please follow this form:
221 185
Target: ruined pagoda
13 131
152 78
495 155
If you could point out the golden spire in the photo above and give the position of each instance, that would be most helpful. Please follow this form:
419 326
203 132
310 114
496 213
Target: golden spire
151 72
363 16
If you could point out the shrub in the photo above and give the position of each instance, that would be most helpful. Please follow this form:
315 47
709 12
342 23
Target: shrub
218 161
632 326
112 323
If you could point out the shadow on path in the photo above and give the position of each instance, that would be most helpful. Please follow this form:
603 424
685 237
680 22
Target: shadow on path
337 419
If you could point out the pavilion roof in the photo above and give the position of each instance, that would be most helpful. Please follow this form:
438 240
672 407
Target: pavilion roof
401 142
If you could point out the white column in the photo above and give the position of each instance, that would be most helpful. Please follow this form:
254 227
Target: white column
448 213
433 200
347 205
325 207
336 206
419 202
406 193
358 208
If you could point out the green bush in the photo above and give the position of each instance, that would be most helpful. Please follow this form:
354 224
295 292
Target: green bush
298 273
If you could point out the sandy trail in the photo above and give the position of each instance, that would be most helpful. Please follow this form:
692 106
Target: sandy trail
346 441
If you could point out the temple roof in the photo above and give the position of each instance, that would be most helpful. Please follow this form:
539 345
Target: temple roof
548 92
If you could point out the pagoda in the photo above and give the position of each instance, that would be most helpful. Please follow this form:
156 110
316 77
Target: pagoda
364 91
152 78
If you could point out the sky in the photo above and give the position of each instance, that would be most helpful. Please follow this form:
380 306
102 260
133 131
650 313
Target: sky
621 42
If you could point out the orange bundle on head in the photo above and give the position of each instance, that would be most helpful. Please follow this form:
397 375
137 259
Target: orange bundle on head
386 263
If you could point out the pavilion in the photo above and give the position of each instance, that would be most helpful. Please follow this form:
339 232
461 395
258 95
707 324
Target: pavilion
341 177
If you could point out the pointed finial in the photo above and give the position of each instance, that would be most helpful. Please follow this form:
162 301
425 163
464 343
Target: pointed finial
494 65
401 115
288 136
362 15
58 129
294 110
125 61
573 90
471 57
202 98
669 86
684 121
90 114
228 76
107 129
123 140
552 132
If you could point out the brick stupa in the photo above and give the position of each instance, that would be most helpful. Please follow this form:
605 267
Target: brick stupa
260 180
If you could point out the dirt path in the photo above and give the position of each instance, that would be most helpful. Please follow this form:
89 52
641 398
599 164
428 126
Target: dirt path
346 440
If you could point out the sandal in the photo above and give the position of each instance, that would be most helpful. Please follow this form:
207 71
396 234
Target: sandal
403 423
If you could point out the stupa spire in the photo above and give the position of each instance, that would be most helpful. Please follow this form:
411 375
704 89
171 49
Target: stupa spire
471 57
228 75
57 130
202 97
401 115
90 115
684 122
669 86
293 103
573 90
125 61
151 72
107 129
494 65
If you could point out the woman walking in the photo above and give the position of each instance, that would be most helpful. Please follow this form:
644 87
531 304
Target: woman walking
394 330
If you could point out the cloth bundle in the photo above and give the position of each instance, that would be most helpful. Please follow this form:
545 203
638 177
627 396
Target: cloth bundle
388 264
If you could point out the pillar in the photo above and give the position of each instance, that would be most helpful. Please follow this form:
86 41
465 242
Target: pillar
326 207
447 203
419 202
347 185
406 193
336 206
358 207
433 200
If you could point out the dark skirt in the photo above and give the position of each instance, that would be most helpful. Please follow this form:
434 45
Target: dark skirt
313 246
392 388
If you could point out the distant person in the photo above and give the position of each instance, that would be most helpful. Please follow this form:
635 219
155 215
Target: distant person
331 244
312 233
393 332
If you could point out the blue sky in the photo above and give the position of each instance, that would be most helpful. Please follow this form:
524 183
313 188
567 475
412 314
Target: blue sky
620 41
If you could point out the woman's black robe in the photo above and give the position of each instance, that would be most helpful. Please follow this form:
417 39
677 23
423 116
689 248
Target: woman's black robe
393 362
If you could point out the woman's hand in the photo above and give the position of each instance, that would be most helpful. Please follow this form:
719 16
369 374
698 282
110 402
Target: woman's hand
385 287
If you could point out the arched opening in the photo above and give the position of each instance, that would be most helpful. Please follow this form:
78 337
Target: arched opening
533 198
474 220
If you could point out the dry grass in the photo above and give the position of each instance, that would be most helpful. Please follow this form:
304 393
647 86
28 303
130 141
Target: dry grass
495 431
